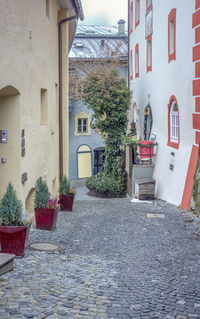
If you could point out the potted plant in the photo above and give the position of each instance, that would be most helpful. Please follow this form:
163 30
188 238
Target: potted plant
66 198
46 208
13 230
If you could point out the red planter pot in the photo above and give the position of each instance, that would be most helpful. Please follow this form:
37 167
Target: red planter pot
66 202
46 218
13 239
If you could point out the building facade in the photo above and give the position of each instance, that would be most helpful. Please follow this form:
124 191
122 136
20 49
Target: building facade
93 47
164 77
33 135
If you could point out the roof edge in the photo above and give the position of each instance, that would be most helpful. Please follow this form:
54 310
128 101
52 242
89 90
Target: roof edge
79 9
75 4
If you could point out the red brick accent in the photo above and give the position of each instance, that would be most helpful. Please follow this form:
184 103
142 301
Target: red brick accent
197 35
197 70
196 121
196 117
190 177
197 139
197 104
196 53
196 19
197 4
196 87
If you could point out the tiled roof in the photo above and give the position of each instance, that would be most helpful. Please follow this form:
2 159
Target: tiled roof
97 30
99 42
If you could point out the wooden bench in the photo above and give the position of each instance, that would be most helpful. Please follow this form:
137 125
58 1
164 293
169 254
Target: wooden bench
145 188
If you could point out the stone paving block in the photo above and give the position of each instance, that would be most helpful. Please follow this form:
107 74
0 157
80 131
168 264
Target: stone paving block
117 264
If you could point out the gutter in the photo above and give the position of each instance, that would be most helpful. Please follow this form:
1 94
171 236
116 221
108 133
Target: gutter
79 13
78 8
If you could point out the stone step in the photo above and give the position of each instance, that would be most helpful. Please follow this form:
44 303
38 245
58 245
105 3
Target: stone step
6 263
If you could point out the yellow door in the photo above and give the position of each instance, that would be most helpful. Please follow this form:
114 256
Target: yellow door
84 162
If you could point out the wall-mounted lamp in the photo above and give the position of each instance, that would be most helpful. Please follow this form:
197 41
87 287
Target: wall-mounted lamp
172 161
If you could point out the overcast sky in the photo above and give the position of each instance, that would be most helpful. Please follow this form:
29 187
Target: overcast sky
104 12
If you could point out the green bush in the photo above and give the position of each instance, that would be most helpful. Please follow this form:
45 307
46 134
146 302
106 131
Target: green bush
108 96
10 208
109 182
64 188
41 194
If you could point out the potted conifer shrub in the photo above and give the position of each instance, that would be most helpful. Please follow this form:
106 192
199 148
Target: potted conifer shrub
13 230
66 198
46 208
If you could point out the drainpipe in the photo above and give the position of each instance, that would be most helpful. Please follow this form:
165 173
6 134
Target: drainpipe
61 91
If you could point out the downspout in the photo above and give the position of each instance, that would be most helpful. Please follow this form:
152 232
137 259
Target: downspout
61 91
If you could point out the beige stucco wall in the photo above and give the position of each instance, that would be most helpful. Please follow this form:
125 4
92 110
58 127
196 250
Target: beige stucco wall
10 171
29 63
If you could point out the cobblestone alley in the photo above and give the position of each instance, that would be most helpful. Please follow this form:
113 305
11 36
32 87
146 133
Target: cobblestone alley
118 262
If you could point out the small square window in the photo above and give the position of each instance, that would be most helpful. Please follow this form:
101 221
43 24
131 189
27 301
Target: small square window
137 60
148 5
131 64
172 35
149 53
47 8
171 28
131 17
82 125
43 107
137 12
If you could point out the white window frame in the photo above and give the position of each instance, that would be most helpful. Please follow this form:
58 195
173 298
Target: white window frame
174 123
82 116
82 127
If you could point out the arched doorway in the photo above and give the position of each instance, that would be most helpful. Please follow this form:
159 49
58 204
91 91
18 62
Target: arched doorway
10 146
84 161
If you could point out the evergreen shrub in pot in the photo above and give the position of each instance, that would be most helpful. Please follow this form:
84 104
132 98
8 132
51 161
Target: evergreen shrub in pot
46 207
13 230
67 194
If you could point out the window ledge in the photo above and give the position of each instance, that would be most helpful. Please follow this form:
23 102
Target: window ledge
173 144
137 24
149 68
172 57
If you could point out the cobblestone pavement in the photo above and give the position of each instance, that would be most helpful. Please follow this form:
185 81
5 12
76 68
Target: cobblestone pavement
118 262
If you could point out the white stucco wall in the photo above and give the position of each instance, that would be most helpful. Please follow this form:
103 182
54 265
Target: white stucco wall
156 87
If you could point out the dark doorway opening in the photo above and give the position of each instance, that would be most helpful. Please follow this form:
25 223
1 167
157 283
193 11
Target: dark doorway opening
98 159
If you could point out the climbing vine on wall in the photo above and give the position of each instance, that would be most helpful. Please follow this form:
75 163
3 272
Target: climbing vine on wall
108 96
